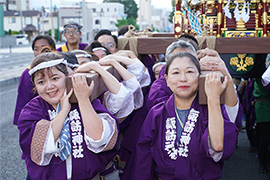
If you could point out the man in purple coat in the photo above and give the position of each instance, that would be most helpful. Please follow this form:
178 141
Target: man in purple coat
72 32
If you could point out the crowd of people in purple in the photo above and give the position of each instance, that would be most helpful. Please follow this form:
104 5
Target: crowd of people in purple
149 125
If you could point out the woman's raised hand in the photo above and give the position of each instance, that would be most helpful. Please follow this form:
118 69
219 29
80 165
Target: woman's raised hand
213 85
90 66
81 89
107 62
64 101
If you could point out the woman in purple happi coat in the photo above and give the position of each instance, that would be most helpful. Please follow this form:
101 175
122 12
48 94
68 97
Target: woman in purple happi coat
62 140
181 139
25 87
210 61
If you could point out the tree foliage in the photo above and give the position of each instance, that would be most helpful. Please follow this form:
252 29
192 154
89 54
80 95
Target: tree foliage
130 7
127 21
172 12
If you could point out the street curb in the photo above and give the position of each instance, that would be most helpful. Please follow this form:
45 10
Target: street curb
10 81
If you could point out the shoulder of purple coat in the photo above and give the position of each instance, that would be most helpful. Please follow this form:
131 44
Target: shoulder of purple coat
82 46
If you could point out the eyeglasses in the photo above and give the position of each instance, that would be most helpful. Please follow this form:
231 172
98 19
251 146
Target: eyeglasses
109 45
72 32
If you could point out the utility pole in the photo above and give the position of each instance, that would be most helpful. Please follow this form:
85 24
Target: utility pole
52 30
2 31
84 23
21 17
140 14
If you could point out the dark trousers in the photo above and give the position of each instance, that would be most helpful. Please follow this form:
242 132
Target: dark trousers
250 132
264 141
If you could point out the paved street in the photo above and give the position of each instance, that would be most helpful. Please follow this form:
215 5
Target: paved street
11 165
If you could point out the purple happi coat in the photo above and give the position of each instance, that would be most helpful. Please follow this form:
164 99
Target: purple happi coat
159 91
81 47
35 117
25 94
158 155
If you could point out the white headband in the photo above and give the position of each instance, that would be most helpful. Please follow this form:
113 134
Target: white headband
99 48
84 55
47 64
157 64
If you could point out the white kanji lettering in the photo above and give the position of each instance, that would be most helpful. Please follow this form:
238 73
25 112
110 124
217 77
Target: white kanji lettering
169 145
170 135
185 139
77 153
168 124
183 151
76 126
189 126
173 122
193 115
74 114
77 139
173 154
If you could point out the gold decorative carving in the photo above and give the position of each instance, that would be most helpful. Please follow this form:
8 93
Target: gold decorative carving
240 25
248 61
237 34
264 19
177 29
219 18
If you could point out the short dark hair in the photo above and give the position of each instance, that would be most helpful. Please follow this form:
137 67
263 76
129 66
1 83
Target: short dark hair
181 55
122 30
106 32
73 24
95 44
48 38
102 32
191 39
69 56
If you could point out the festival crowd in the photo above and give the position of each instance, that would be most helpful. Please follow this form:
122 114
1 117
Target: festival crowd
148 125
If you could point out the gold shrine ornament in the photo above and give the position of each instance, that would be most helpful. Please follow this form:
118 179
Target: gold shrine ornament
243 63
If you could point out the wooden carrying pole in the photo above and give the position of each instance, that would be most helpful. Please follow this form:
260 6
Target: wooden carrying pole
99 87
252 45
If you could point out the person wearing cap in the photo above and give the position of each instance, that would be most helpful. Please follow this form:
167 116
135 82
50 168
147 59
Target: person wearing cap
72 33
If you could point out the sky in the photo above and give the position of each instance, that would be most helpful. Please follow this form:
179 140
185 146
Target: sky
156 3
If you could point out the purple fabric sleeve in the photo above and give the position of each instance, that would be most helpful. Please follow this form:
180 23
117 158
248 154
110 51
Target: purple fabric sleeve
25 94
159 91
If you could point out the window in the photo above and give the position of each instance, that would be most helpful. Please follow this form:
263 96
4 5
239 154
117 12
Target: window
12 20
112 22
12 2
94 10
28 20
45 22
115 9
108 9
97 21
